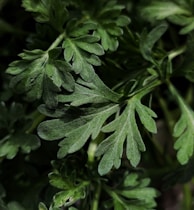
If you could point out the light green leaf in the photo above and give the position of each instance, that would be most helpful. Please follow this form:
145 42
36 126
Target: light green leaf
123 20
38 7
10 146
161 10
76 131
77 137
57 181
180 19
124 127
188 28
83 52
183 130
134 193
53 74
108 42
67 198
81 30
90 92
40 76
146 116
71 192
53 11
42 206
109 22
148 41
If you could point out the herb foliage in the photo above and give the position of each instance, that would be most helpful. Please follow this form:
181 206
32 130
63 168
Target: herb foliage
81 100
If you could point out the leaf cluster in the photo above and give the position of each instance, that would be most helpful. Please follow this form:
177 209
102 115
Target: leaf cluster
82 103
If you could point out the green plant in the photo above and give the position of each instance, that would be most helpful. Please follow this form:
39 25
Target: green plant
97 111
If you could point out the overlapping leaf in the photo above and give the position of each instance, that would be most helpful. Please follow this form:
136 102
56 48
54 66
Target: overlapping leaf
90 92
11 145
82 49
107 15
158 10
184 131
71 192
76 131
52 11
179 13
134 194
12 139
148 40
40 75
69 181
41 8
124 128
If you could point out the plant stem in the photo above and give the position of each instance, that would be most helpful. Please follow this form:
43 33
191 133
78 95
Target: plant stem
35 123
95 202
92 148
177 52
187 200
168 115
146 89
57 41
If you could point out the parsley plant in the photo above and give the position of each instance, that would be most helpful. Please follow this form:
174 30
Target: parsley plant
96 104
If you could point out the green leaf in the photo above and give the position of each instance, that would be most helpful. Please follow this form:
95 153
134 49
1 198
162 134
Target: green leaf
110 22
10 145
83 52
82 49
124 127
146 116
66 198
161 10
148 40
40 76
72 189
77 29
38 7
90 125
188 28
53 11
90 92
77 131
183 130
180 19
42 206
14 206
134 193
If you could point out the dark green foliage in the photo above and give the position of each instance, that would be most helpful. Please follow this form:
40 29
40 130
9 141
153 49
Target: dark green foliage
85 86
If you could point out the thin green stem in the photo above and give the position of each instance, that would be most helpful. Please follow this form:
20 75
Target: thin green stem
187 200
35 123
92 148
168 115
177 52
146 89
95 203
57 41
91 151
